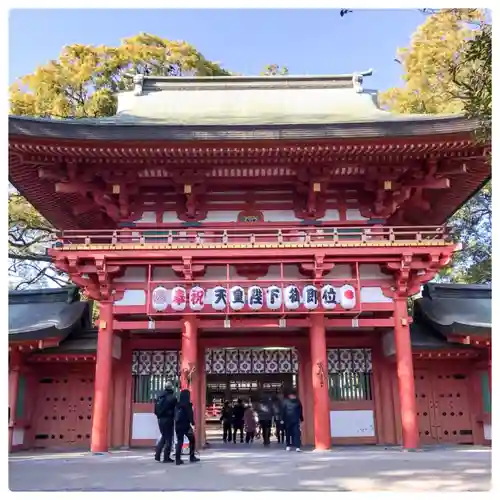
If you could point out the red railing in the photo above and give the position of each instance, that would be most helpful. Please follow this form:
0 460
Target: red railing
256 235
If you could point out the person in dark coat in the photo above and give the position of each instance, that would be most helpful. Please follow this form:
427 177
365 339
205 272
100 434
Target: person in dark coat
184 422
238 420
165 410
291 416
265 415
226 416
280 428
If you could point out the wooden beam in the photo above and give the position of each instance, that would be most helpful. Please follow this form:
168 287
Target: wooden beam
443 183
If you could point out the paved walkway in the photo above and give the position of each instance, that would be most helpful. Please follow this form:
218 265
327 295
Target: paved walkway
237 467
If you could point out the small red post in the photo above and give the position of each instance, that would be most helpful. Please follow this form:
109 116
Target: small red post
322 435
406 382
103 380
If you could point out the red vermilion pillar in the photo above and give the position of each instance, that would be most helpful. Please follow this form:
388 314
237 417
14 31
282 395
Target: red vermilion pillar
305 394
322 436
202 395
406 382
14 373
189 355
103 379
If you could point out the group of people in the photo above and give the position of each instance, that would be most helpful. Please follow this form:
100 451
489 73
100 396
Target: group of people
254 418
178 415
258 419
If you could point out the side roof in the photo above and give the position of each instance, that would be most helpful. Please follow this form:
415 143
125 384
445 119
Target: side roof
456 309
46 313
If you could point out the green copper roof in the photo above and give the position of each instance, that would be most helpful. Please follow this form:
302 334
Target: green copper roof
276 100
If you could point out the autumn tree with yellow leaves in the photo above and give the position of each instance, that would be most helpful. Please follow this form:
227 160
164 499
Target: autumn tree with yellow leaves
447 69
82 83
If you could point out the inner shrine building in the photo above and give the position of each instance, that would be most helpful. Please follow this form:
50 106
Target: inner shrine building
244 235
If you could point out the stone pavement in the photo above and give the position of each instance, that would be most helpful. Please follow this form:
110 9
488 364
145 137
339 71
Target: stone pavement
239 467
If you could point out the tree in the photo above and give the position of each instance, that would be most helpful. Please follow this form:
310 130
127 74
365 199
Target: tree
82 83
448 70
275 70
433 61
29 237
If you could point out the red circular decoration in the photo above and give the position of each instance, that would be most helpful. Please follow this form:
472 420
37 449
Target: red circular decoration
349 294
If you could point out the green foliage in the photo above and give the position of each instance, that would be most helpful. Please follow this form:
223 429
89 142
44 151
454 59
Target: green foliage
275 70
448 70
472 225
433 62
83 81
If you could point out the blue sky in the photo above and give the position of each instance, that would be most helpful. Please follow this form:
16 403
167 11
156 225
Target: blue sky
307 41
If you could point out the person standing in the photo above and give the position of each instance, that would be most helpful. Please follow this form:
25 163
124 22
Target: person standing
280 428
238 418
226 415
250 419
265 414
184 422
291 416
164 411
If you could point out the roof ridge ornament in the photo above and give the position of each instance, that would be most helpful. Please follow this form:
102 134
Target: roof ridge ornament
357 79
138 80
357 82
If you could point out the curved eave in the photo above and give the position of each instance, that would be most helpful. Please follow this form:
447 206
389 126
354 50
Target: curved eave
457 316
51 322
120 130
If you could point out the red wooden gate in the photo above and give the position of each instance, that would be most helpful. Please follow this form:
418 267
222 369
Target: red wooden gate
63 415
443 410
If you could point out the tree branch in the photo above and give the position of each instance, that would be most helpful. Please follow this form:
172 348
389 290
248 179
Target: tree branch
34 258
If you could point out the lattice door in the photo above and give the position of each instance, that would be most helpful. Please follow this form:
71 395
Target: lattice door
63 415
452 406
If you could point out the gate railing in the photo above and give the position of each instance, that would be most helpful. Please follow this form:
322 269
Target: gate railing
255 236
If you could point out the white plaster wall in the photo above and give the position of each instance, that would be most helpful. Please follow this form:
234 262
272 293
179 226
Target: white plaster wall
388 345
280 216
147 218
170 216
17 437
222 216
117 347
373 294
145 426
132 298
330 215
160 273
354 214
340 271
352 423
372 272
216 273
133 274
487 431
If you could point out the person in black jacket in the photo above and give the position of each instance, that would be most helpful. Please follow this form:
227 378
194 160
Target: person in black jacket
226 416
280 428
238 422
265 415
291 416
184 422
164 410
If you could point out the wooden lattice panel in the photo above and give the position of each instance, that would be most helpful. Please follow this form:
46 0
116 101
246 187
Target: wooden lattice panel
251 361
